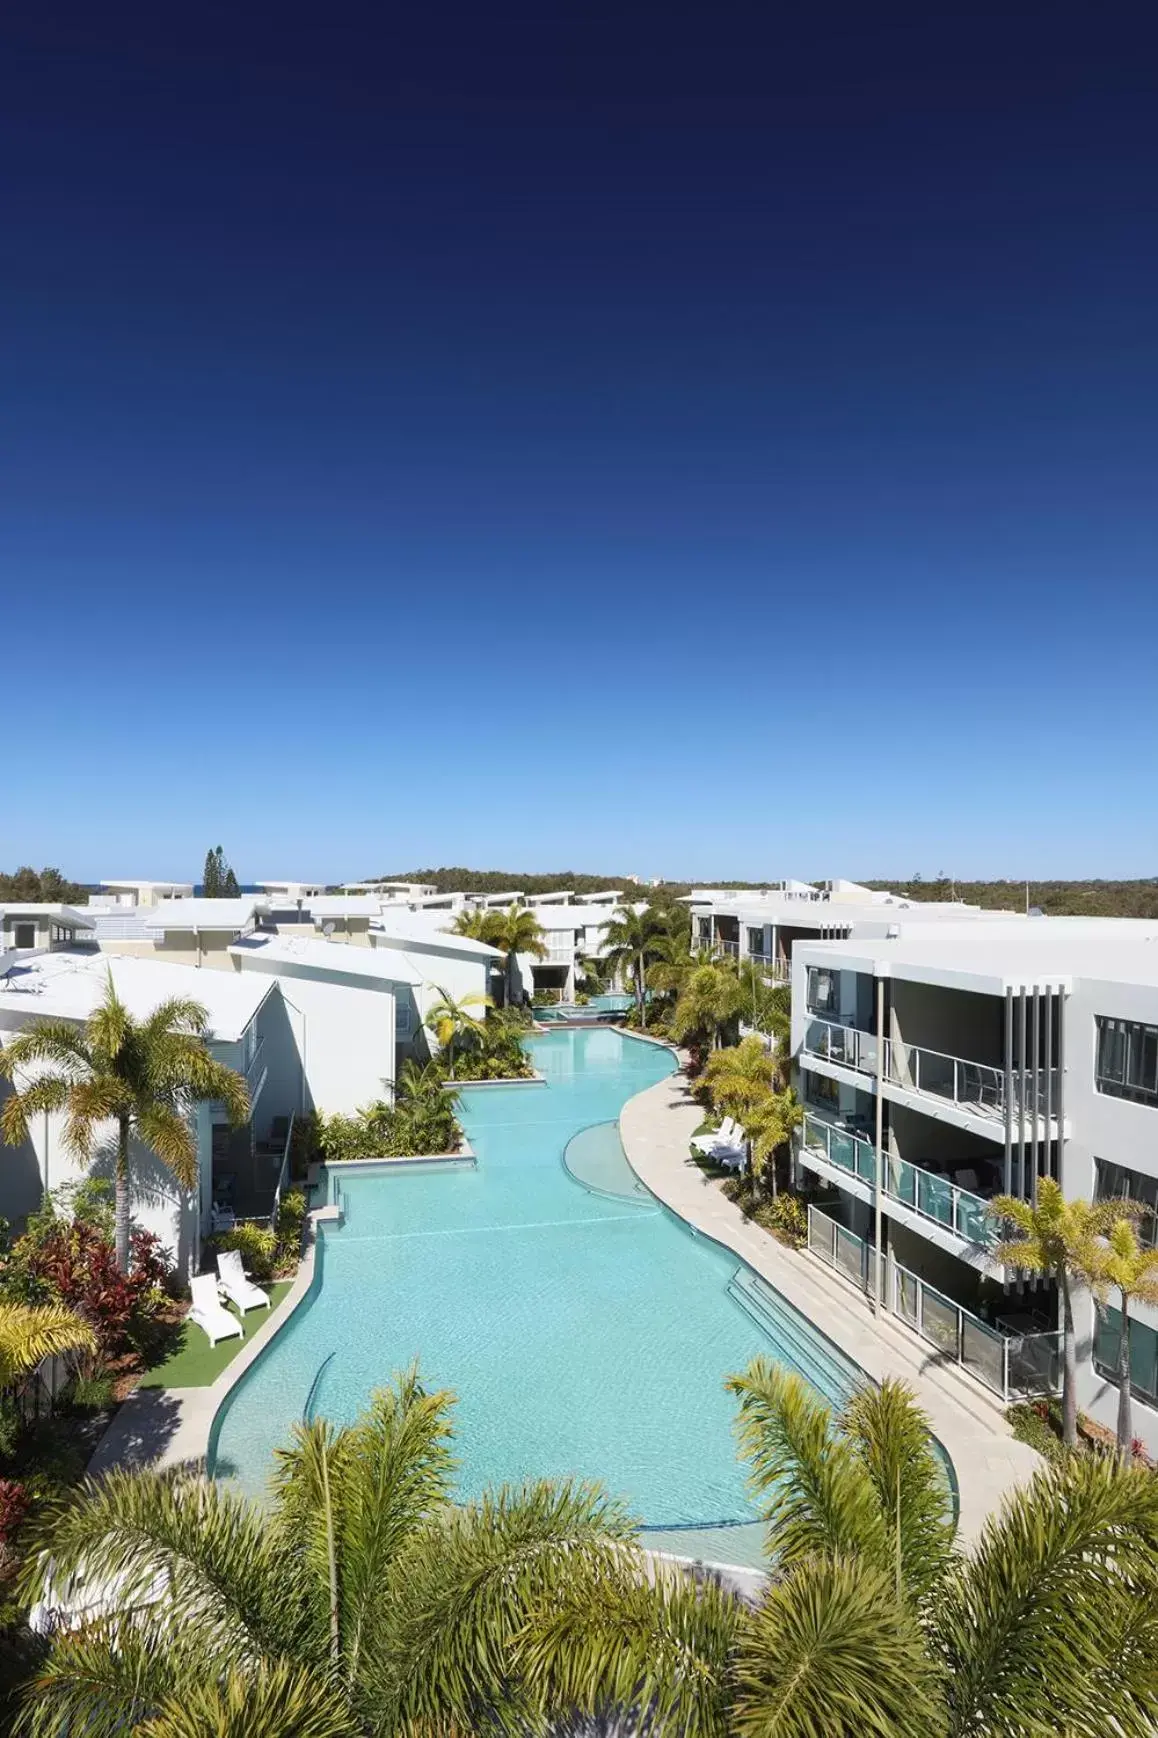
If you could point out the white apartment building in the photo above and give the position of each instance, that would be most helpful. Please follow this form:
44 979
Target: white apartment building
127 895
31 928
942 1064
761 928
249 1033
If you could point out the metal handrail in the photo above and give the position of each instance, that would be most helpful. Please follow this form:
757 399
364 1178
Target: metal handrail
1009 1365
927 1193
975 1086
847 1045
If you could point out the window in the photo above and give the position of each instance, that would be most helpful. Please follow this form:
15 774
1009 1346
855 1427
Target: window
756 941
822 991
24 935
1127 1060
821 1091
402 1019
705 929
1143 1353
1117 1182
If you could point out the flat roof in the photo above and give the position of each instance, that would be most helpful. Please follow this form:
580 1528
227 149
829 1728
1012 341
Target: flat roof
345 905
392 934
995 957
205 913
339 958
69 985
60 913
153 884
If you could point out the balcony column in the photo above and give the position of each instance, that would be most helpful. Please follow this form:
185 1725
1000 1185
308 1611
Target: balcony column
878 1177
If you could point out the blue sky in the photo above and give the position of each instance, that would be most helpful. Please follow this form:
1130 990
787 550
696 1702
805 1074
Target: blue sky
691 443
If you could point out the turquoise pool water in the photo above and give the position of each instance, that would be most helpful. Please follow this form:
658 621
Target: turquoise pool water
585 1330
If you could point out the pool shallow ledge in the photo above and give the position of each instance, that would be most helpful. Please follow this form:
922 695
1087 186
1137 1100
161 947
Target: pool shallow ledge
986 1461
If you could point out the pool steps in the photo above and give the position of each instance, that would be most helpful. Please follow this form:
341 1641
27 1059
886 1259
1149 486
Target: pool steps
796 1341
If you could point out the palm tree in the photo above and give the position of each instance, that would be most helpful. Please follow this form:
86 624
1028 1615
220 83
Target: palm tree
770 1125
362 1599
141 1074
673 963
476 922
516 930
631 941
450 1019
593 974
1056 1237
739 1077
874 1623
30 1334
710 998
1129 1267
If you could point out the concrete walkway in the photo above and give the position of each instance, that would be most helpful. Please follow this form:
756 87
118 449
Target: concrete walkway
656 1128
166 1427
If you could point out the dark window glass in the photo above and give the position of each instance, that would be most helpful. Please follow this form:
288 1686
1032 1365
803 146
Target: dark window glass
1118 1182
1127 1060
1143 1353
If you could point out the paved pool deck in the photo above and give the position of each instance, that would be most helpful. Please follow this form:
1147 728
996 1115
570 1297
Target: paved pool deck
656 1127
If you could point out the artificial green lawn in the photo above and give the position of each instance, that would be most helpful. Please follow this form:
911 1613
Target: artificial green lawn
194 1363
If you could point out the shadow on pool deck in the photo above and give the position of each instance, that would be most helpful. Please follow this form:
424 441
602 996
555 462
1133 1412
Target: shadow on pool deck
139 1433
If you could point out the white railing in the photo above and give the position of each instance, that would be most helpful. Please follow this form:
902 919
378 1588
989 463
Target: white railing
973 1086
255 1066
844 1044
731 948
283 1173
1009 1365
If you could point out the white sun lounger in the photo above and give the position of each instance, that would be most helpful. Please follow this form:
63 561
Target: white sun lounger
237 1285
207 1311
722 1139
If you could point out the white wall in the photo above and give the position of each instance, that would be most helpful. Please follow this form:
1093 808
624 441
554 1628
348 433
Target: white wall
342 1034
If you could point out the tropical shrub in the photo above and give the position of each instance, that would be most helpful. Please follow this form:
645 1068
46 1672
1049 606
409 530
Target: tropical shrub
257 1245
422 1120
547 998
75 1264
291 1218
15 1499
1031 1423
786 1217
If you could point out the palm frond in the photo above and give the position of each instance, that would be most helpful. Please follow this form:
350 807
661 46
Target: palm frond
30 1333
101 1679
183 1554
275 1701
820 1497
109 1028
474 1579
892 1437
621 1644
1029 1625
831 1653
40 1097
180 1014
167 1133
59 1043
92 1103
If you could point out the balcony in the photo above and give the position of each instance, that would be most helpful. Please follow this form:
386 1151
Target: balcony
770 966
976 1087
846 1045
931 1195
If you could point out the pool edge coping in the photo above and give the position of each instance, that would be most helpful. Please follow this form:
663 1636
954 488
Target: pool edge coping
1010 1462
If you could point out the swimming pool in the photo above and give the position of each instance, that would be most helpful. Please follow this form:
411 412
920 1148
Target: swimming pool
583 1327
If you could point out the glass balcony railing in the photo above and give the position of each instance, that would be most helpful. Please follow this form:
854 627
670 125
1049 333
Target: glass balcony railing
974 1086
938 1198
844 1044
841 1148
933 1196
